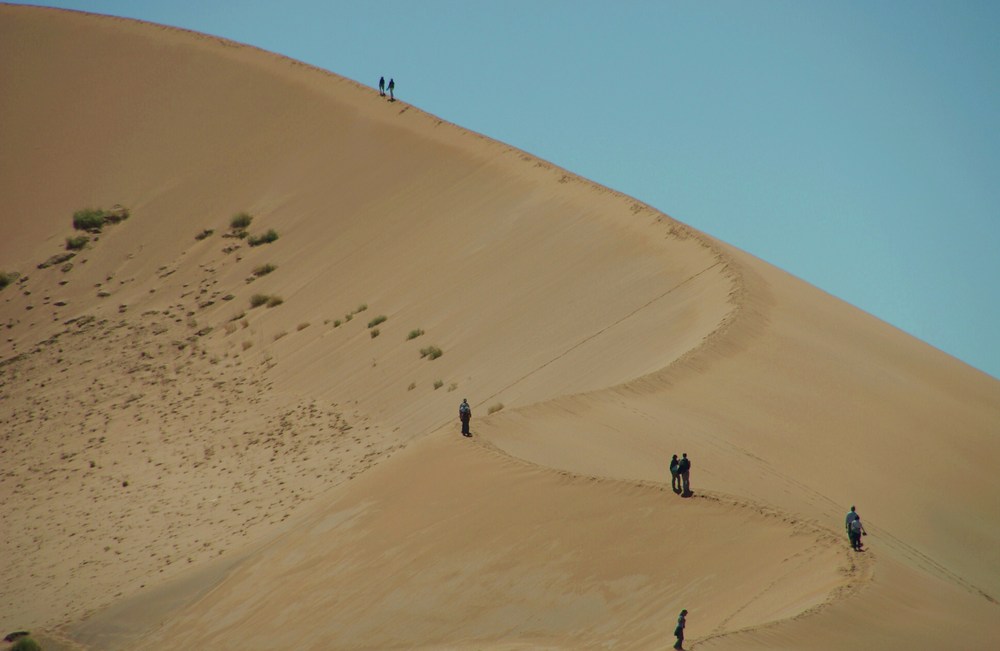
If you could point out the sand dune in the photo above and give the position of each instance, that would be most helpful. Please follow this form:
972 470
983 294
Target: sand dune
184 468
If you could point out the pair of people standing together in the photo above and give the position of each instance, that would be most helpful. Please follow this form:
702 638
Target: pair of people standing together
680 475
382 88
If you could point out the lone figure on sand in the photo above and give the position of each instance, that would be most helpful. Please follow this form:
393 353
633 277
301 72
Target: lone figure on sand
852 517
381 86
464 411
675 474
679 631
392 87
685 470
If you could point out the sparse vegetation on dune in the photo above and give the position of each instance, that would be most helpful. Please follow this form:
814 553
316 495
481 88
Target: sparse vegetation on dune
438 384
268 237
94 219
431 352
7 277
374 332
361 308
264 269
205 233
76 243
377 320
258 299
414 334
240 221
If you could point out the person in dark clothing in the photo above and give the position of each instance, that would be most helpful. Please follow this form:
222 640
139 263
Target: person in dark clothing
392 87
855 533
675 474
685 470
381 86
679 631
852 515
465 415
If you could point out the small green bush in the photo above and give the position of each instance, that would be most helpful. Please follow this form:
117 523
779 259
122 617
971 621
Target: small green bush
431 352
264 269
377 320
348 317
336 323
76 243
274 301
361 308
118 213
374 333
414 334
88 219
25 644
268 237
438 384
240 221
258 299
7 278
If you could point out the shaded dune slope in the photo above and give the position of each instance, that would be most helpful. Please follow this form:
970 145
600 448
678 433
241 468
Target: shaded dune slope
613 336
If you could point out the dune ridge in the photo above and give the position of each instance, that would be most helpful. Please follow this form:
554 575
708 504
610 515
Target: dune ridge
290 441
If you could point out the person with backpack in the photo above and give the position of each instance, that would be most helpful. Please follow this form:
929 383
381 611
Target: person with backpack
392 87
381 86
675 475
464 414
685 470
679 631
856 531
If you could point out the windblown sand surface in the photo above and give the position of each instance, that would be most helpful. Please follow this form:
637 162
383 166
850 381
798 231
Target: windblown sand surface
182 469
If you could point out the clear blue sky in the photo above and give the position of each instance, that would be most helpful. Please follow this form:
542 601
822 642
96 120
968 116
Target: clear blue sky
855 144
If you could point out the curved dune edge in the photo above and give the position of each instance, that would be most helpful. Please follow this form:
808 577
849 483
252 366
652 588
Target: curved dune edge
721 393
101 337
497 523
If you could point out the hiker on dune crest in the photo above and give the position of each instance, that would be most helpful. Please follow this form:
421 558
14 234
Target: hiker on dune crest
465 415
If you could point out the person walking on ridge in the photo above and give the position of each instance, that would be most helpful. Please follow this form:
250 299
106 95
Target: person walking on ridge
465 415
852 515
381 86
392 87
679 631
675 475
685 470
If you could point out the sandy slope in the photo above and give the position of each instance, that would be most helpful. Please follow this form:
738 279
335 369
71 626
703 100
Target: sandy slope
177 462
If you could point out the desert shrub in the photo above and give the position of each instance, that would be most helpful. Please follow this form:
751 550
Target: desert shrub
414 334
118 213
88 219
280 335
413 385
452 386
258 299
494 408
377 320
431 352
348 317
76 243
336 323
7 278
205 233
274 301
438 384
264 269
25 644
374 332
302 326
361 308
268 237
240 221
239 316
